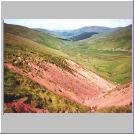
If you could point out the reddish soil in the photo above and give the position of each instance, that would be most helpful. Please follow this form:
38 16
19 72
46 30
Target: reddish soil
83 86
120 96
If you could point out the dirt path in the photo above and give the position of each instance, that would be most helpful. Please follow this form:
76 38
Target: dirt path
84 87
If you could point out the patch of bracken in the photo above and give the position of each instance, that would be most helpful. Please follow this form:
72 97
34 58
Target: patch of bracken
20 106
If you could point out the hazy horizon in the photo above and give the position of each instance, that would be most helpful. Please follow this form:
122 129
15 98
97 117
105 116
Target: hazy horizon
68 24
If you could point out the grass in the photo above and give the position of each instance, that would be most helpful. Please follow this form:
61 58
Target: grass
117 109
17 87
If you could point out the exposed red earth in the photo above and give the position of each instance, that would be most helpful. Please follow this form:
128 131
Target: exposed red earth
120 96
83 86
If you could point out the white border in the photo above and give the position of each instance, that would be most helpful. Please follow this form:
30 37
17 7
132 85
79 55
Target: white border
43 0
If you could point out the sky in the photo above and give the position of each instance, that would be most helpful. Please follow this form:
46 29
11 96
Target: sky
68 24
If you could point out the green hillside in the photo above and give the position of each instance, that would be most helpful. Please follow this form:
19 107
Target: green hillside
34 35
15 47
120 39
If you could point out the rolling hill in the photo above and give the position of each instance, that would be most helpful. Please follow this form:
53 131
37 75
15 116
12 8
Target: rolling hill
43 38
71 33
44 73
84 32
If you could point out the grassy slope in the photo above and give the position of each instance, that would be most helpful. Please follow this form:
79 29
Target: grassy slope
36 36
120 38
115 109
15 47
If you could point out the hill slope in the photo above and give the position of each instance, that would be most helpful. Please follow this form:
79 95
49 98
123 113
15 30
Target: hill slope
83 36
34 35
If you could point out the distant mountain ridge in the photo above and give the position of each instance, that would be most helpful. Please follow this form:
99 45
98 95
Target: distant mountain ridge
78 34
82 36
78 31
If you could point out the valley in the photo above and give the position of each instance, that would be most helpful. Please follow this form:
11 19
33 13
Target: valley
44 72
